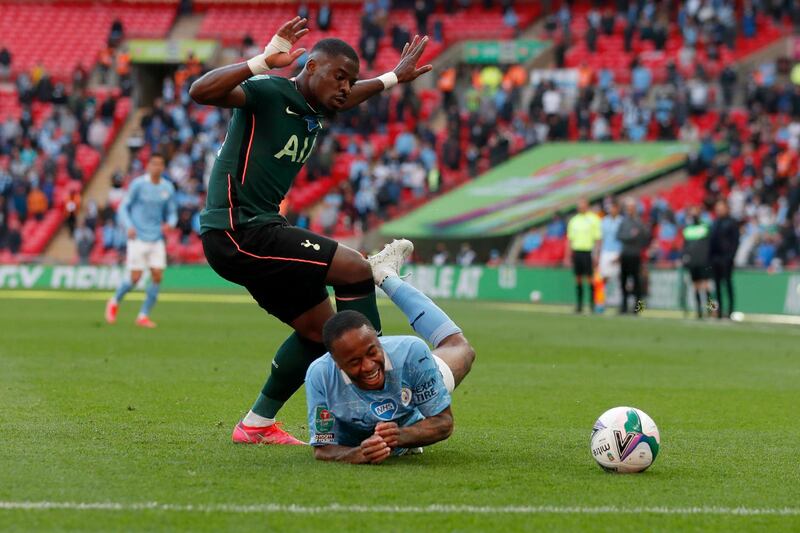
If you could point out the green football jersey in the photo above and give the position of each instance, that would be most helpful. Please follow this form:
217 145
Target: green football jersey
267 143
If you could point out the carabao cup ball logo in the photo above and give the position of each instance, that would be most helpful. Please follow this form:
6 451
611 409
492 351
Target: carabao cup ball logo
384 409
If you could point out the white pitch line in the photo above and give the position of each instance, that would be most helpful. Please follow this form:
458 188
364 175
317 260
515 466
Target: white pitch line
395 509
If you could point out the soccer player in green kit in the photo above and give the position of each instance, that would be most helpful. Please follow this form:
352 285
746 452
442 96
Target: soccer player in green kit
273 130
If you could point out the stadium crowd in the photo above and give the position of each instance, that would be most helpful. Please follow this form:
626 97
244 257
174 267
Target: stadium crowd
400 149
51 139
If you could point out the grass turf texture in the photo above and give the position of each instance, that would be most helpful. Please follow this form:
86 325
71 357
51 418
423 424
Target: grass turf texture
97 413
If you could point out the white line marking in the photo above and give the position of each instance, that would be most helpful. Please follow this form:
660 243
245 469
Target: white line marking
394 509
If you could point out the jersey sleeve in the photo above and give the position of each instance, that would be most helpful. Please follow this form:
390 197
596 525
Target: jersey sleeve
322 425
123 213
171 208
428 392
259 91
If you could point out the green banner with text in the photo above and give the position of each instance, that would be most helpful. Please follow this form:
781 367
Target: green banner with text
503 52
756 291
171 51
530 187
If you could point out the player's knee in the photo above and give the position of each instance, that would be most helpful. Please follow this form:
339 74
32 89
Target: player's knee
156 276
135 277
358 267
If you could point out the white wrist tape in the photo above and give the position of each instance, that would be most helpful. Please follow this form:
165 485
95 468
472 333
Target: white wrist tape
389 80
258 64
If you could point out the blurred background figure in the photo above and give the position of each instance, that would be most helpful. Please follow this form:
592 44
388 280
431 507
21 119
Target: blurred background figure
635 237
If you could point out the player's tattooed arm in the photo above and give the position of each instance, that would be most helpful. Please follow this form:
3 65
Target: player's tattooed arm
221 86
406 72
373 450
425 432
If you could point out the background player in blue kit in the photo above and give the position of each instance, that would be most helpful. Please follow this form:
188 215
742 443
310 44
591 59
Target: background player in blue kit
372 397
147 211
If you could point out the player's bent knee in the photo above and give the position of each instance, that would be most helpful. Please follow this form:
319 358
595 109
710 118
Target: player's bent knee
349 266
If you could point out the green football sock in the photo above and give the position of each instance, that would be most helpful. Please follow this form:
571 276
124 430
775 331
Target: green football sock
288 373
359 297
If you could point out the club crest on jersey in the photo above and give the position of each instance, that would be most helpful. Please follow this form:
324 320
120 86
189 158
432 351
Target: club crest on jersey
384 409
405 396
312 122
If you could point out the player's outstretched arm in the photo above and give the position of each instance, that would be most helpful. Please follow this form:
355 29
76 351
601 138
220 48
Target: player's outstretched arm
424 433
406 71
373 450
220 87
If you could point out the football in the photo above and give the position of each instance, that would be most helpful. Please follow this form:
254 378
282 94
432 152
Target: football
625 440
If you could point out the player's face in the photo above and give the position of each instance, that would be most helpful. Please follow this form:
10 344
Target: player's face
331 79
155 167
360 355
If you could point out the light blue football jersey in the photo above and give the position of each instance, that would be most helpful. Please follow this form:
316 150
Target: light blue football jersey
147 206
341 413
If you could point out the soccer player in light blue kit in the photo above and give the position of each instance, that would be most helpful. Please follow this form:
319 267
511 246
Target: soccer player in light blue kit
370 397
147 211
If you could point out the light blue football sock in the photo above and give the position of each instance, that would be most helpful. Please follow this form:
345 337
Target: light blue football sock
425 317
123 289
150 299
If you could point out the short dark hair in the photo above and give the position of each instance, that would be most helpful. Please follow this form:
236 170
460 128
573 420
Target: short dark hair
341 323
158 154
335 47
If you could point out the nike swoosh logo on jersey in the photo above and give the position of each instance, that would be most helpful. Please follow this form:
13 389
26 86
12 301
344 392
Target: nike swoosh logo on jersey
290 112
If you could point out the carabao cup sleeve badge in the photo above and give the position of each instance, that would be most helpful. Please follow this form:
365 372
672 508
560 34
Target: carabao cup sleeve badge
323 419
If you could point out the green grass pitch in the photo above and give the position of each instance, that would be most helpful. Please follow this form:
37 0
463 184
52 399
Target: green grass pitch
141 420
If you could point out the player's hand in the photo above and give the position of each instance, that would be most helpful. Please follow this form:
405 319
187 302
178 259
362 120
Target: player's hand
389 432
406 70
292 31
165 228
131 233
375 449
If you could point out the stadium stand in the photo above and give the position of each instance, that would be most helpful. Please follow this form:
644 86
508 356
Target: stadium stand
353 23
694 34
399 150
34 31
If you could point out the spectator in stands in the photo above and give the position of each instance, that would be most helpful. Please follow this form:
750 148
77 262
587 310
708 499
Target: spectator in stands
84 241
369 48
635 237
3 221
723 243
72 207
116 34
583 234
641 79
422 10
442 256
97 134
325 16
466 255
5 63
14 236
511 19
19 198
531 241
37 203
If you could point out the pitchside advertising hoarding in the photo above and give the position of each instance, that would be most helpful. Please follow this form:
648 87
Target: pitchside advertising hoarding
503 52
756 291
534 185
